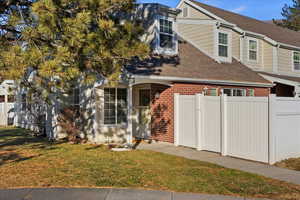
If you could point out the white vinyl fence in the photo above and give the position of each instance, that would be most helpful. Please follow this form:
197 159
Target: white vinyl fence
246 129
285 128
264 129
7 114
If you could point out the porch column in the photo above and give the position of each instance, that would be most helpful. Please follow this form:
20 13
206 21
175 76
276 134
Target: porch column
129 117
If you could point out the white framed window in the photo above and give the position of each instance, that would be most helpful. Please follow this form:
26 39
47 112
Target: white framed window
166 35
115 106
296 61
224 46
252 50
235 92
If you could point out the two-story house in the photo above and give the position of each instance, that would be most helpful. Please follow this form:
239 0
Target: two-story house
263 47
193 51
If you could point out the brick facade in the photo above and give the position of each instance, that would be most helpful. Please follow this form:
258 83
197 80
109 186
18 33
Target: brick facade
162 109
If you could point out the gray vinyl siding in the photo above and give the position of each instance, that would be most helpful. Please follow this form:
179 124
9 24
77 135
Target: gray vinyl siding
193 13
268 56
236 45
201 36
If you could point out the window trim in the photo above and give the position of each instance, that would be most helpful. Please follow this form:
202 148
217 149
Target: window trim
257 50
293 61
158 48
116 124
229 46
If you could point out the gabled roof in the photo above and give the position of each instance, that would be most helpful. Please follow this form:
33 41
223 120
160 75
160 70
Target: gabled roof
276 33
191 63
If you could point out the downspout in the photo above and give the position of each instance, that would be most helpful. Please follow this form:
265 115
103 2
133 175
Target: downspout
242 47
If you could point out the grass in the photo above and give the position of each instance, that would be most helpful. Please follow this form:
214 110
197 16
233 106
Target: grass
27 161
293 163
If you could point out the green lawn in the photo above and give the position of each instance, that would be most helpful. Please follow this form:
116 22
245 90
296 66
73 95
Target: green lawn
27 161
293 163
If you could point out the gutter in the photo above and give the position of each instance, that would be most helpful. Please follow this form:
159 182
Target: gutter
215 82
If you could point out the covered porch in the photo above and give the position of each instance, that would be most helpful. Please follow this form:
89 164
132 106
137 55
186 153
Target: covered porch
284 86
139 110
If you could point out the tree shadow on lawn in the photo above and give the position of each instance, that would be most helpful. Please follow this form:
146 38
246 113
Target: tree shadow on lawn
12 139
8 157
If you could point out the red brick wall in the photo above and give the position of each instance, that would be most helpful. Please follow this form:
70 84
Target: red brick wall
162 109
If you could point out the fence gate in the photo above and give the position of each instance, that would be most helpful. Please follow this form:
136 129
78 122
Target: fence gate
185 122
211 123
285 128
246 120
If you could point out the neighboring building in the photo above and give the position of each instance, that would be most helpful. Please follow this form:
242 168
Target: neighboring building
261 46
192 53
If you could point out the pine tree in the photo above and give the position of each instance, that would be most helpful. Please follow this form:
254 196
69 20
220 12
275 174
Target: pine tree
291 15
71 42
14 14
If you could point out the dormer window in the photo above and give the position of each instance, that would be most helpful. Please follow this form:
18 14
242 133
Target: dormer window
223 44
253 49
166 35
296 61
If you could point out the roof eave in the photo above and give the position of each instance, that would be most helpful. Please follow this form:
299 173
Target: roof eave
205 81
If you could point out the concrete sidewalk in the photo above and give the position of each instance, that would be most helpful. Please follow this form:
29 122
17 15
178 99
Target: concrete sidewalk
228 162
104 194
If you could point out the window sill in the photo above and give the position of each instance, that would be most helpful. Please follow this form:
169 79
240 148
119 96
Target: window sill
114 125
224 59
166 51
253 61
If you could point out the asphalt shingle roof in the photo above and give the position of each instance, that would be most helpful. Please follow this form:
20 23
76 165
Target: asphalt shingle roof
192 63
277 33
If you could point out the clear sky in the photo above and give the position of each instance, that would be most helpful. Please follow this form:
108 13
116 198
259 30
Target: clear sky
259 9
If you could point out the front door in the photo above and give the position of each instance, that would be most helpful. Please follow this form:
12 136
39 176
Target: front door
143 114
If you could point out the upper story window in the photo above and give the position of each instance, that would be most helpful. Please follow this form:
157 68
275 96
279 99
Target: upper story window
253 49
296 59
223 44
166 33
